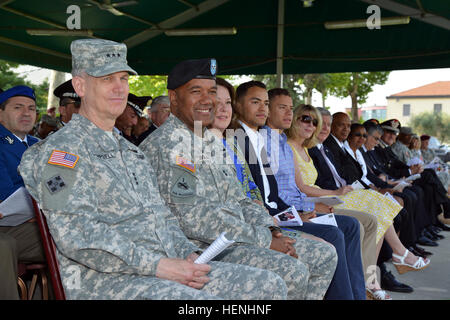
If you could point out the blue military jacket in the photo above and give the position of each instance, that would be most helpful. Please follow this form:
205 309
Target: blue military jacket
11 151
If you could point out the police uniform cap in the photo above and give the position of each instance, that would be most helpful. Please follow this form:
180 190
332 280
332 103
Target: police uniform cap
191 69
17 91
137 103
391 125
99 57
66 90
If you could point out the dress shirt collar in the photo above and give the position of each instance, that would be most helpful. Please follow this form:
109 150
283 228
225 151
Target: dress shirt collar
338 142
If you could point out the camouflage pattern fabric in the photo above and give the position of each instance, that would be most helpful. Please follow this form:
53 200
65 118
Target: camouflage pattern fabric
198 182
111 228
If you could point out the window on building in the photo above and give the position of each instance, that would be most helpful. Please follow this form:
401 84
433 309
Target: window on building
406 110
437 107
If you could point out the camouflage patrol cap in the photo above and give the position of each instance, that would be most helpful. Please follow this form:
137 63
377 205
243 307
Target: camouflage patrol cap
406 131
98 57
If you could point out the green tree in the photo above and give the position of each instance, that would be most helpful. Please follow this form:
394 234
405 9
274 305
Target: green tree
148 85
9 79
356 85
433 124
291 82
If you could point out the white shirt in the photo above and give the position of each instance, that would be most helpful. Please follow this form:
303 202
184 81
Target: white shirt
359 157
257 141
330 164
22 140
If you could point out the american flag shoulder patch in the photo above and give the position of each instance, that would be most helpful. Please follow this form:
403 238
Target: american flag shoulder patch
62 158
182 162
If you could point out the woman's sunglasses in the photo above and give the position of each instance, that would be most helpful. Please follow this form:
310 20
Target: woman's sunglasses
357 134
308 119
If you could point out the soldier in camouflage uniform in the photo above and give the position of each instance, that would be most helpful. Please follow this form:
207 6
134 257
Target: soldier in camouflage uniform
198 182
401 146
115 238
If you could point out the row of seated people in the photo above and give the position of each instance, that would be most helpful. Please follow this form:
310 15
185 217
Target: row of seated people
269 172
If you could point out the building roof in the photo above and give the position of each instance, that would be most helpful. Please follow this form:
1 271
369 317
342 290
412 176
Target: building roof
432 90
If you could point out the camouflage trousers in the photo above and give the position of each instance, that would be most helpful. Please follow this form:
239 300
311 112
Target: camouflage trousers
227 281
306 278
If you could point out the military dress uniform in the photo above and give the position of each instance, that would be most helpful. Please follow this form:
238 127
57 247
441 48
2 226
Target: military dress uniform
110 226
198 182
21 242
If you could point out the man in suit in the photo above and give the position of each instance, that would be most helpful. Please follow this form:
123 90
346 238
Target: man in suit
207 198
435 195
412 197
252 108
21 242
329 178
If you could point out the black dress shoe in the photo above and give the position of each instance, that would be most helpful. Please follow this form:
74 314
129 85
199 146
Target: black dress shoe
424 241
388 282
430 236
422 251
416 253
442 226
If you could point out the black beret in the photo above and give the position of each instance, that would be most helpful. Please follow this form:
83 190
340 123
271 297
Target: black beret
66 90
137 103
191 69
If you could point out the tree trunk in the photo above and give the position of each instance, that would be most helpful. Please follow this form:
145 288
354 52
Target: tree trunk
354 96
308 98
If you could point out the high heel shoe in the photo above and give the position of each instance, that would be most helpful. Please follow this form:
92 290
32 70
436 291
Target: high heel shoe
403 267
377 294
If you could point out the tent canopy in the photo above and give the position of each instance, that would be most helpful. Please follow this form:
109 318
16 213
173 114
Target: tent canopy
297 36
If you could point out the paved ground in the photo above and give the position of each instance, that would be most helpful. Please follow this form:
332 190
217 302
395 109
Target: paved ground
432 283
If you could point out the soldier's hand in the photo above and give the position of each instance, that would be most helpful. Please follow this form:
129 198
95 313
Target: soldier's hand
283 244
1 216
183 271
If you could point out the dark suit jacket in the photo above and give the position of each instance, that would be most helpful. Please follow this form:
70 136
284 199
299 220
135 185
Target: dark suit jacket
325 178
252 161
391 164
371 173
145 134
347 167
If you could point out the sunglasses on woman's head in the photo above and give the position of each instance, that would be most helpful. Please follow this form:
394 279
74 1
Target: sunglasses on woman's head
308 119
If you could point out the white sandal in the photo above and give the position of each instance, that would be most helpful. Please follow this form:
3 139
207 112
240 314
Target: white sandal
377 294
403 267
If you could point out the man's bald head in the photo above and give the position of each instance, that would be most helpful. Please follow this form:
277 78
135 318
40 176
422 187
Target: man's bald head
340 127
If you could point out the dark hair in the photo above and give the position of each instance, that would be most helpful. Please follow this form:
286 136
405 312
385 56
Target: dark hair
372 127
355 126
243 88
3 104
278 92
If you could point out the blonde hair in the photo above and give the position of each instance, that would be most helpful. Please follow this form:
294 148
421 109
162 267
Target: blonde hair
292 132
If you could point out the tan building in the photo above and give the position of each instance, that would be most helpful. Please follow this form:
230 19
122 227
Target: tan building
433 97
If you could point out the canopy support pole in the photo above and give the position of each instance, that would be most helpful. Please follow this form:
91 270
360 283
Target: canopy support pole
280 43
